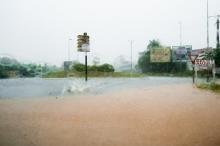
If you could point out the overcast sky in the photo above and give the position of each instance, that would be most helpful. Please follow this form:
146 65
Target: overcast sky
38 30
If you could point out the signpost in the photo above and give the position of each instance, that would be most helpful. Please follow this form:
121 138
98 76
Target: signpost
199 62
83 46
193 59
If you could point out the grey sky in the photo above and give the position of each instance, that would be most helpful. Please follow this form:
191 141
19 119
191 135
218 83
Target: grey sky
38 30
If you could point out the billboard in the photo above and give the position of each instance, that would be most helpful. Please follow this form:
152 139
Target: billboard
180 53
160 54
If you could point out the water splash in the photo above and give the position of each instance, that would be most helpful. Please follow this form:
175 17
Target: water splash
76 87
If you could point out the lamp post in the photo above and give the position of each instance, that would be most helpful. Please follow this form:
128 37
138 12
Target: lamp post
218 45
217 38
69 48
180 25
207 24
131 45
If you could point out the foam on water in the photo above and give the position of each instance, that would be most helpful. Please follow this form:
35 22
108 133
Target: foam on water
76 87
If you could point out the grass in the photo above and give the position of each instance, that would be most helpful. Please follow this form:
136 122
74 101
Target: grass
212 86
63 74
178 74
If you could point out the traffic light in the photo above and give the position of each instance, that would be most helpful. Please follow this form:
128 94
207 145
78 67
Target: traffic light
83 40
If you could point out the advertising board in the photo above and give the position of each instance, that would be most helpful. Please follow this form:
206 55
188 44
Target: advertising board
160 54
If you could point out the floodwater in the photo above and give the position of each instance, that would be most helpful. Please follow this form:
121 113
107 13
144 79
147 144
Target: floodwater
38 87
153 111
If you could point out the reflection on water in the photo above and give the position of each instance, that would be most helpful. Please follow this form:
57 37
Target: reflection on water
37 87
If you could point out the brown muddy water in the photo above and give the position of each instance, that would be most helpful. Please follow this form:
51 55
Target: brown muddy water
161 115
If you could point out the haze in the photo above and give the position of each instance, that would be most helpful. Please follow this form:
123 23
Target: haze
38 30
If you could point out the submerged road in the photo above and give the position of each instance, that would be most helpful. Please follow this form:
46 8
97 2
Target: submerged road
164 115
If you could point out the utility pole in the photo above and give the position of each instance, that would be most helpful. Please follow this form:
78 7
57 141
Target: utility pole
218 44
180 31
180 25
208 37
69 48
207 24
212 51
131 45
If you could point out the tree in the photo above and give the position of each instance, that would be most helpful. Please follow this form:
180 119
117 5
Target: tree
79 67
217 57
144 60
106 68
154 44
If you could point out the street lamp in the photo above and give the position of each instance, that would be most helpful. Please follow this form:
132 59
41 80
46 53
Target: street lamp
69 48
180 25
131 45
207 24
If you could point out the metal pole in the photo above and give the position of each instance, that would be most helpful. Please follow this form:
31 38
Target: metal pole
86 71
69 49
207 24
218 44
131 45
207 80
180 23
193 73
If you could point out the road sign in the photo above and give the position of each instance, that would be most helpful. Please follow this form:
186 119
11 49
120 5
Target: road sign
204 62
83 43
192 57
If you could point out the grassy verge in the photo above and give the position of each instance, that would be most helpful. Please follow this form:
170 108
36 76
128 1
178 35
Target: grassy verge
63 74
180 74
212 86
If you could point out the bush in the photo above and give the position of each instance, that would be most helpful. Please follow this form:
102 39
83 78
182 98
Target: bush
93 68
101 68
79 67
106 68
4 74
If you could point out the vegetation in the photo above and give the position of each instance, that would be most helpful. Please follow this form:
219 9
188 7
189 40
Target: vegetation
63 74
12 68
176 74
99 68
217 57
213 55
146 65
104 70
212 86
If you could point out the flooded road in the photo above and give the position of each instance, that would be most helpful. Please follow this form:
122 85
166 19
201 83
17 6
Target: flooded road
164 112
37 87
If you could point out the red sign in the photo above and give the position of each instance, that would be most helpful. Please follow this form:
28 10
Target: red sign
204 62
192 57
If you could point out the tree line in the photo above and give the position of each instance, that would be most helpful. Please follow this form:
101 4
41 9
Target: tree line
12 68
93 68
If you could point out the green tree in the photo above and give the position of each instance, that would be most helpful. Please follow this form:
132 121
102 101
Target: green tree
106 68
79 67
144 60
154 44
217 57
